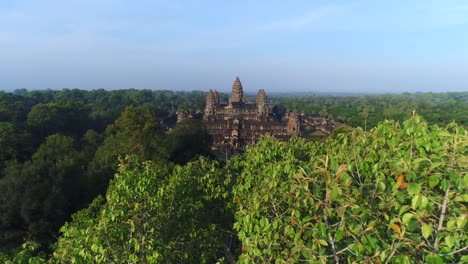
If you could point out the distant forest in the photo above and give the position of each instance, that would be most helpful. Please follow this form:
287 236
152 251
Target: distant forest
436 108
60 149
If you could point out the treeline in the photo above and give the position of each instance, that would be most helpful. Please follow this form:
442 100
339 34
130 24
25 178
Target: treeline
394 194
368 110
59 149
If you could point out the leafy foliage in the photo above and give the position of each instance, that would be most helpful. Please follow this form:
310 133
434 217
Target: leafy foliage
30 252
188 139
8 142
153 213
38 195
396 194
47 119
135 132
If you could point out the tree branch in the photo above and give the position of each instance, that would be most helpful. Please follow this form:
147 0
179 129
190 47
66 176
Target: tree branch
441 219
330 238
393 253
454 252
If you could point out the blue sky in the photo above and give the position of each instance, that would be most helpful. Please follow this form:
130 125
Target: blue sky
312 46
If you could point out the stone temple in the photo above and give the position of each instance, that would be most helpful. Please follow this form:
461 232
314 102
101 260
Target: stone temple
239 122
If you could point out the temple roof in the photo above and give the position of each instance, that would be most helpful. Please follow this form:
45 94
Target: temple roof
210 96
237 94
216 97
210 99
261 95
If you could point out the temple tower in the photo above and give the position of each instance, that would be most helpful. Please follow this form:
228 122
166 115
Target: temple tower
216 96
262 103
210 105
237 95
293 124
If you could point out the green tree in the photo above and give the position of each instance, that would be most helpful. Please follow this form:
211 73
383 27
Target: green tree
188 139
135 132
154 213
8 143
38 195
364 112
47 119
393 195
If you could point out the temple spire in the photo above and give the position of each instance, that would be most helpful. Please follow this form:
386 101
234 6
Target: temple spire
262 103
210 106
237 94
216 97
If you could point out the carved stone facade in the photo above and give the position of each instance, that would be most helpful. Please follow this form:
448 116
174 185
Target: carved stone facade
240 122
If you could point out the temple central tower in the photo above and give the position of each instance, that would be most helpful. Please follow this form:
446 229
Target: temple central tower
237 95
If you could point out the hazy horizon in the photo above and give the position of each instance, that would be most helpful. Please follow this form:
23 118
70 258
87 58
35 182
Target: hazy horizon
357 46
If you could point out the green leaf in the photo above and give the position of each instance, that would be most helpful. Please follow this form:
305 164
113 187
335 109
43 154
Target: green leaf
382 186
451 224
449 241
435 165
322 229
426 230
402 259
424 201
461 221
339 235
297 214
323 242
462 198
417 161
297 237
335 192
414 189
433 181
444 185
444 134
406 218
434 259
305 254
257 252
306 219
420 201
415 202
403 209
290 231
275 224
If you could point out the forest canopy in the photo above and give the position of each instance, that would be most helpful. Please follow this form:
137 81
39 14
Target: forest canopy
108 176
